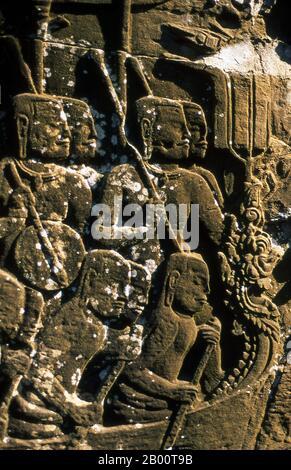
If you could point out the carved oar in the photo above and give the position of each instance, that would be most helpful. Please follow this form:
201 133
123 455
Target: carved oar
115 372
178 419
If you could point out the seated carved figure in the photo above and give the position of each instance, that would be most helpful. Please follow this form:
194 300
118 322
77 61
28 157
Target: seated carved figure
165 139
101 373
197 125
94 321
43 205
150 387
21 312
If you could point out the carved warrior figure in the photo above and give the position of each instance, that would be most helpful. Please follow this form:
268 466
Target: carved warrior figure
44 206
21 313
83 152
81 125
71 338
197 125
149 387
165 139
109 364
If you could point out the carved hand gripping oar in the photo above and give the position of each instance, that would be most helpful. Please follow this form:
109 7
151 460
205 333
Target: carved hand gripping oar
178 418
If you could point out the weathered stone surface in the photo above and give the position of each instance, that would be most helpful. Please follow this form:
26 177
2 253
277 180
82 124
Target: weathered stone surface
275 433
120 120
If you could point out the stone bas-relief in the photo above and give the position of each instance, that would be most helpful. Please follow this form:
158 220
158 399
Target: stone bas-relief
126 341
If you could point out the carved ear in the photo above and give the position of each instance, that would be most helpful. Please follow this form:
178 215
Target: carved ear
22 124
171 286
173 279
146 128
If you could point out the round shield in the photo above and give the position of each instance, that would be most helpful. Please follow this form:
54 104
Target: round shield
49 269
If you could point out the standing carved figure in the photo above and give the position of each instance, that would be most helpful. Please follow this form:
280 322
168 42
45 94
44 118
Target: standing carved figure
197 125
165 140
44 206
84 149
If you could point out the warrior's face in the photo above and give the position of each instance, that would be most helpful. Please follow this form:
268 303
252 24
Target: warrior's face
169 136
84 136
197 126
138 295
84 139
107 294
49 135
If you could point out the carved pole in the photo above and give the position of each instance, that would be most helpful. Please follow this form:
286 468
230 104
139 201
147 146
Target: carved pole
41 13
177 421
124 51
126 29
